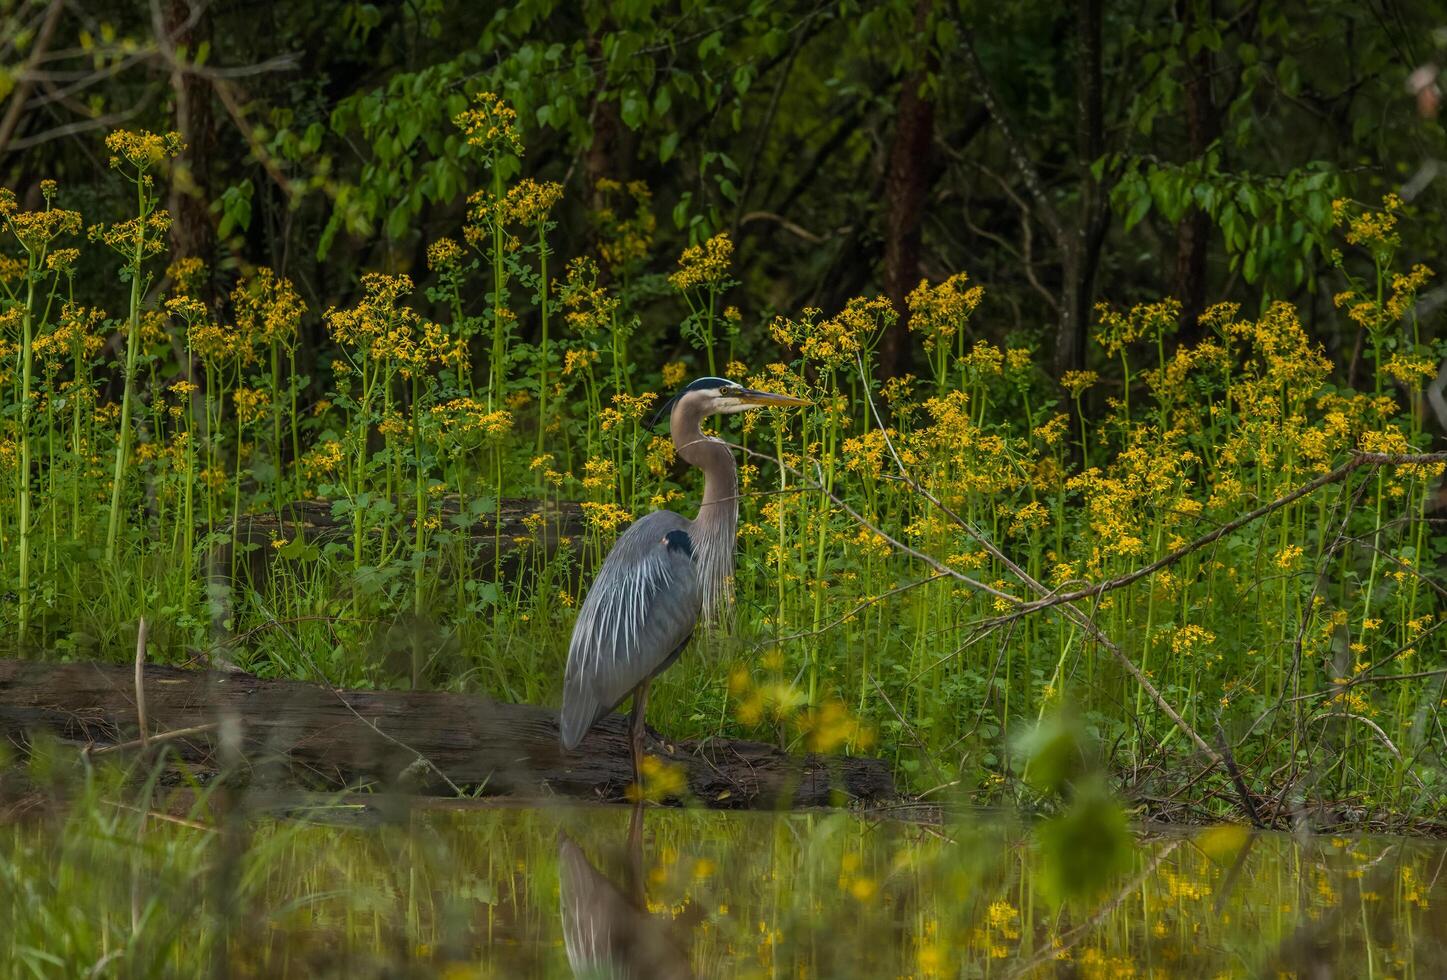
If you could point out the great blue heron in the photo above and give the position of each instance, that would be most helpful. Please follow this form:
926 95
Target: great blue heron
662 574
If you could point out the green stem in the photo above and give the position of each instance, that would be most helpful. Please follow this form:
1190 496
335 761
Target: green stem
133 343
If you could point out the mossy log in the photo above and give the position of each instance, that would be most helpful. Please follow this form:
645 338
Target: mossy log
492 536
300 735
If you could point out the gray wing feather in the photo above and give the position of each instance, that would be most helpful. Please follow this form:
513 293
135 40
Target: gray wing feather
642 607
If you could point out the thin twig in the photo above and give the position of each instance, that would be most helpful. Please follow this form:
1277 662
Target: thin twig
1340 473
138 743
908 586
1381 735
145 740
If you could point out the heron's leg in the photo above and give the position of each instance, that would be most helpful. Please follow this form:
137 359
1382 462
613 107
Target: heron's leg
636 727
635 856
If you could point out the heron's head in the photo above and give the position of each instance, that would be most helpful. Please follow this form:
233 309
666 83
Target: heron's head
720 396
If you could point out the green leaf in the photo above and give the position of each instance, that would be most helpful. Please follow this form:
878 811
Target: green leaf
1139 208
710 44
298 549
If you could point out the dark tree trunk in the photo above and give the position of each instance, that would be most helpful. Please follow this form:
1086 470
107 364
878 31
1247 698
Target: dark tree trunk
1080 252
193 235
1193 232
599 162
907 183
304 735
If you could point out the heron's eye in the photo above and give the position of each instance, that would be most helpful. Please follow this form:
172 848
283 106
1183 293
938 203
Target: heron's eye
729 391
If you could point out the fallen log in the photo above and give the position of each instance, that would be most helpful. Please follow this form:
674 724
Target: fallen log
490 536
294 734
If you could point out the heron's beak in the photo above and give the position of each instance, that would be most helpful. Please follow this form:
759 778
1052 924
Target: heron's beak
767 399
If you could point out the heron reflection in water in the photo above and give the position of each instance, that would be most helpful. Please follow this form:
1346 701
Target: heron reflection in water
664 573
607 931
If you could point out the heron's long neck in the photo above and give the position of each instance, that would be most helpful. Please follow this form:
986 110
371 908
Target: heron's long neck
718 516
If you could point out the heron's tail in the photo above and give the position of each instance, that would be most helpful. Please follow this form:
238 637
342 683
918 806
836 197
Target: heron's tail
580 713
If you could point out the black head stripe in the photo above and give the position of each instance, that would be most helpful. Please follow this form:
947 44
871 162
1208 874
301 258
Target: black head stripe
679 541
705 383
701 384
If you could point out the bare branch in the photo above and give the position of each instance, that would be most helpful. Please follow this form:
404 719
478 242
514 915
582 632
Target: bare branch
21 94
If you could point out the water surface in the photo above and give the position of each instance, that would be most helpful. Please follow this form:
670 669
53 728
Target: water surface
507 891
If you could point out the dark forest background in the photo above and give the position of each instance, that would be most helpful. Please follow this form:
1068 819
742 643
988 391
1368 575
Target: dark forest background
1060 153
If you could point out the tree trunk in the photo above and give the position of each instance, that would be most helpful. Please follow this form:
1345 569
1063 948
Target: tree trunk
907 183
193 234
598 162
1193 232
1080 258
294 734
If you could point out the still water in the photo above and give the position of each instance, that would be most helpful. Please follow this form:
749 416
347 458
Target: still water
605 892
572 891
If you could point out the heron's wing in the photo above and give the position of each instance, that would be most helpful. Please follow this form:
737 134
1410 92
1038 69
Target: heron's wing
642 607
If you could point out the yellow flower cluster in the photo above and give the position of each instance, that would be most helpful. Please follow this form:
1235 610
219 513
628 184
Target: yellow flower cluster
148 235
624 241
590 307
529 202
443 254
673 374
468 416
78 336
35 230
251 404
705 265
941 311
1146 321
579 360
491 126
142 149
1186 640
835 342
604 517
832 726
384 330
1373 230
187 275
324 460
268 309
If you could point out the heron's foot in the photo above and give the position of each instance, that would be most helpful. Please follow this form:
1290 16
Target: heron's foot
655 741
